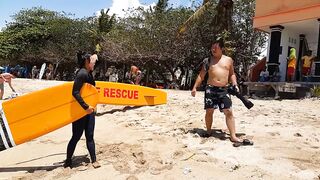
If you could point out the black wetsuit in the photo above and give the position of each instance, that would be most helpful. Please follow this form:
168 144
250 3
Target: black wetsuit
85 123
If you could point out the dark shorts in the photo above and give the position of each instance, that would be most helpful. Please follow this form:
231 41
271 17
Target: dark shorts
216 97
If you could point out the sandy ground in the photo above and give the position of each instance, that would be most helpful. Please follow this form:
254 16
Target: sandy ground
164 142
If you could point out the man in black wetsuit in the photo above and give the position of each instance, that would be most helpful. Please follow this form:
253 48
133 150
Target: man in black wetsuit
86 64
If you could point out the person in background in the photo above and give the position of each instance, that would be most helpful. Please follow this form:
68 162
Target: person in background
5 77
307 61
7 69
135 75
276 75
34 72
264 75
292 60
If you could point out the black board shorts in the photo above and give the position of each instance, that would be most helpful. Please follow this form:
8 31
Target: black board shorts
216 97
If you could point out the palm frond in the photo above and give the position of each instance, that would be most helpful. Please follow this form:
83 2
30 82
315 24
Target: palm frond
207 4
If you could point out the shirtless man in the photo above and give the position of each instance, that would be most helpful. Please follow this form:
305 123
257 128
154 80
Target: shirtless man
135 75
5 77
220 72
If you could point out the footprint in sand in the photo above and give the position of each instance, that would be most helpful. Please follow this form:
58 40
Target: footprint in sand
204 140
132 177
157 166
177 154
139 158
83 168
274 133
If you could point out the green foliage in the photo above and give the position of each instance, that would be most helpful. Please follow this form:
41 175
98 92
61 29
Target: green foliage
41 35
102 25
234 19
105 22
149 37
161 6
247 42
315 91
204 9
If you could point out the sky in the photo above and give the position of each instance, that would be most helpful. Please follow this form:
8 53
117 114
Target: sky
80 8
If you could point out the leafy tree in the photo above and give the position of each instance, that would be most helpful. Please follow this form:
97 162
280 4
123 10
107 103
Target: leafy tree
102 25
148 38
248 43
24 32
37 35
160 39
161 6
234 20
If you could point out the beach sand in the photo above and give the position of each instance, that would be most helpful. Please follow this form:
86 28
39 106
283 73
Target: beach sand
164 142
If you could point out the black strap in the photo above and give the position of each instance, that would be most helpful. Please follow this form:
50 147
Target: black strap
3 127
206 64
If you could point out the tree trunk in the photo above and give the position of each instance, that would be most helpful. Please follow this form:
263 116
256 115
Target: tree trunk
224 15
124 74
147 75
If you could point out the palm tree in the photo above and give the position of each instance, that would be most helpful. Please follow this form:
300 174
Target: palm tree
104 24
161 6
222 18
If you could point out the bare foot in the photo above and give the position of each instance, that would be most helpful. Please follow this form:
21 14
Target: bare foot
235 139
96 164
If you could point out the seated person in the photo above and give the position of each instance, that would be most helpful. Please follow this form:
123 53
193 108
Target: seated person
264 75
276 75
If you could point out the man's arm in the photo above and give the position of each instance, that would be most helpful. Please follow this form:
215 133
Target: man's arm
4 79
199 79
10 85
232 75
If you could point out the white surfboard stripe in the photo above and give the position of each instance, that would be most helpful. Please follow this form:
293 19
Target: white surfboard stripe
3 137
7 125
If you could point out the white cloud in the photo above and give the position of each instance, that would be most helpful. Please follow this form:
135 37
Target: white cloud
120 6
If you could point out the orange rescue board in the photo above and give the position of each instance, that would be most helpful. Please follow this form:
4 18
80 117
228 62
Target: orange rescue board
128 94
38 113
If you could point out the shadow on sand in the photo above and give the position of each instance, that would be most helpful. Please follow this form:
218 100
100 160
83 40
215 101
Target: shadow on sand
126 108
216 133
76 162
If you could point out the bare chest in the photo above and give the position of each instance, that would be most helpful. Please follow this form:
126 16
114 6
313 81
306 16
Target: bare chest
220 65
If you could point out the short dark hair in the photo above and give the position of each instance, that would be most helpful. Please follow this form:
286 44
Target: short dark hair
82 57
218 40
